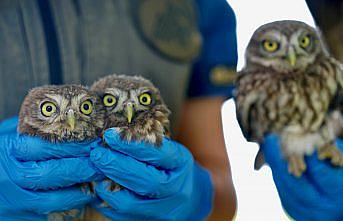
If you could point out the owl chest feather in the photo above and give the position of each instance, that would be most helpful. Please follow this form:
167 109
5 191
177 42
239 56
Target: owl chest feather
150 129
268 102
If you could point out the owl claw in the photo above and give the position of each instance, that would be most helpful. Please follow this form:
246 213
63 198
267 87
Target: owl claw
332 153
296 165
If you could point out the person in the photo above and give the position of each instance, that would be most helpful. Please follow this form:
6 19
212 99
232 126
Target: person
187 48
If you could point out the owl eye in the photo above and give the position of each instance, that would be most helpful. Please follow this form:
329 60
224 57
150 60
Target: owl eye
86 107
270 46
109 100
305 41
145 99
48 109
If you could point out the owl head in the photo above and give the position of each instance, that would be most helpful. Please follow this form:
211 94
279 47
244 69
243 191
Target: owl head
131 102
61 113
285 46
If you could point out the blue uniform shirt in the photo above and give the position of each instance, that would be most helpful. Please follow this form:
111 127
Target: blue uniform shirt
214 71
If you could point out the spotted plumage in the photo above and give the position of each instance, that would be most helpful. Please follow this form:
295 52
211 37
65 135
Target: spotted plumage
68 113
291 86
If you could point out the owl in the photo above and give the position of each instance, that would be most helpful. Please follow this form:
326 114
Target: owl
292 87
62 114
135 107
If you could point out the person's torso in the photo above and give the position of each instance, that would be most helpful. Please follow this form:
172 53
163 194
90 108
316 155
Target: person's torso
45 42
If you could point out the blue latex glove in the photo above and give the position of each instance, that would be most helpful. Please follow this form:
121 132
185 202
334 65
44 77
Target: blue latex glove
161 183
31 170
316 195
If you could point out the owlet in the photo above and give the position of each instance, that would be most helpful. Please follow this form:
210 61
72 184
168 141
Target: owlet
68 113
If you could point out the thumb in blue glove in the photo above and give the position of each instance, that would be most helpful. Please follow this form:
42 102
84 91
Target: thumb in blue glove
317 195
159 183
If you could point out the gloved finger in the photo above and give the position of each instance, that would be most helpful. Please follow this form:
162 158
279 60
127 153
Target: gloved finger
272 152
137 176
127 202
53 174
169 155
295 196
34 149
9 125
328 179
15 215
294 209
44 202
299 188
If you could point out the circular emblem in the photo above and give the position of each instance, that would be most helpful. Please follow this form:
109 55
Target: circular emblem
169 26
222 75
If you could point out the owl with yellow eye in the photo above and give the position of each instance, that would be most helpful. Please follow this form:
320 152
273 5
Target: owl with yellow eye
135 107
68 113
292 87
61 113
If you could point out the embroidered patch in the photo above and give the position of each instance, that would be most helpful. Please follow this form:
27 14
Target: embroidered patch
169 27
222 75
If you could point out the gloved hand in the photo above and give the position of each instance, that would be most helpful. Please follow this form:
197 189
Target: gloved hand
31 170
160 183
9 125
316 195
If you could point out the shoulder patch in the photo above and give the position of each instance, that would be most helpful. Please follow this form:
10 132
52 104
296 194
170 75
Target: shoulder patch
169 27
222 75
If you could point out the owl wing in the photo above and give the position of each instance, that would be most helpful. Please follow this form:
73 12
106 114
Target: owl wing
249 94
265 104
335 112
252 94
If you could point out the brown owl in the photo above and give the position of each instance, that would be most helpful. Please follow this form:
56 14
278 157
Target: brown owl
135 107
292 87
61 113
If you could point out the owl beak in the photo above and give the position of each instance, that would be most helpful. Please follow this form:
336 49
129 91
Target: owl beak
129 112
71 119
292 58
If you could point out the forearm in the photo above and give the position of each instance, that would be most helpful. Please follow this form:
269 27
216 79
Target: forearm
201 132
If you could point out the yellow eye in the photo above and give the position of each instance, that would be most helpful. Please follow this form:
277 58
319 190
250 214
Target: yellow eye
305 41
145 99
48 109
86 107
109 100
270 46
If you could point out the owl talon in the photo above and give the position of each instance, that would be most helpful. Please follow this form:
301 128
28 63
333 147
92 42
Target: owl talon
332 153
296 165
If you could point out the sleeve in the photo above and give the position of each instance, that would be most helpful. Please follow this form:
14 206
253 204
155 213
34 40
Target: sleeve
214 71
